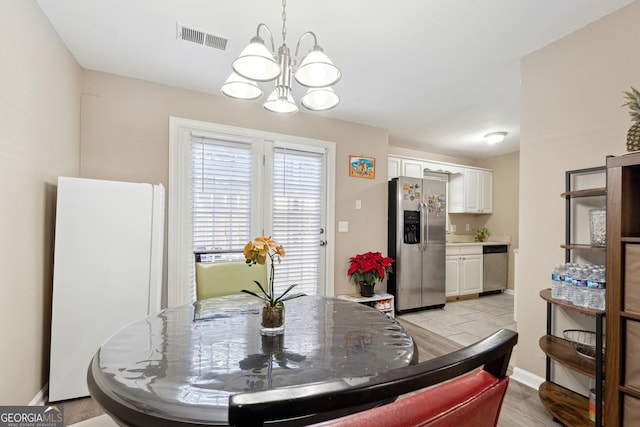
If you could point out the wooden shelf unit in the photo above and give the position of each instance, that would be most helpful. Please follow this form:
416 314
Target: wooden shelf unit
567 405
589 192
570 194
623 291
585 248
572 408
563 352
545 294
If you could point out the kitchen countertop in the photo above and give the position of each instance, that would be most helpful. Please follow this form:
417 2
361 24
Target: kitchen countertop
487 243
467 240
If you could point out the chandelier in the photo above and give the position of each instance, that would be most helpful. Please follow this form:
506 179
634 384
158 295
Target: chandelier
257 63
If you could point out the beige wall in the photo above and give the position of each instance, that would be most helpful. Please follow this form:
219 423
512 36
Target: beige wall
504 220
125 137
570 119
39 140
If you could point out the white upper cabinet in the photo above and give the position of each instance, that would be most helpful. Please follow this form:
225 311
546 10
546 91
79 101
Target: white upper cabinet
414 168
471 191
486 193
442 167
405 167
393 167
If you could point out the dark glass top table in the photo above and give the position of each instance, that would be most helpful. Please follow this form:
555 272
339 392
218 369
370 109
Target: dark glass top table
179 366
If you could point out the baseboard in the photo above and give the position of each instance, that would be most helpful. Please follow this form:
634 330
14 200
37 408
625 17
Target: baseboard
41 398
509 291
526 378
461 297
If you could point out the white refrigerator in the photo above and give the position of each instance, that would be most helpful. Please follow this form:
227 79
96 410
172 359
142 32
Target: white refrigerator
107 271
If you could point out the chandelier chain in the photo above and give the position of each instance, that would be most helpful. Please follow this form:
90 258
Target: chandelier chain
284 21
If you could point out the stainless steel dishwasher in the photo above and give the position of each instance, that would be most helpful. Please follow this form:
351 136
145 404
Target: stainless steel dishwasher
495 260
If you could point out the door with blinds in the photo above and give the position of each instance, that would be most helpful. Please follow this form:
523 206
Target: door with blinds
222 192
242 189
297 215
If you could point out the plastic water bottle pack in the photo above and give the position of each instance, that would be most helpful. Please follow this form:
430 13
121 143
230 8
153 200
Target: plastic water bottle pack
582 285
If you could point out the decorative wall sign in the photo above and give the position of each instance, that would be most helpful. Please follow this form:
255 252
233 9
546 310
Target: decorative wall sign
362 167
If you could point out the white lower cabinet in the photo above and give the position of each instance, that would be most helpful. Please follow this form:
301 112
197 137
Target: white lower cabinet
463 270
452 274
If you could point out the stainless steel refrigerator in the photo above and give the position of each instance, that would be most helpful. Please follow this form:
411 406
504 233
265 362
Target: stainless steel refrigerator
416 241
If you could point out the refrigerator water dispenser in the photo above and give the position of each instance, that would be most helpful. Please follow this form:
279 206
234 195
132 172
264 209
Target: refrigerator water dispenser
411 227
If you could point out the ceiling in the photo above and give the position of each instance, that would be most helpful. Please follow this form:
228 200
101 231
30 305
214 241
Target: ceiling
438 74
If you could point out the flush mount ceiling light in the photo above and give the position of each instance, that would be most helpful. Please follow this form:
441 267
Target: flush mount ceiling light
257 63
495 137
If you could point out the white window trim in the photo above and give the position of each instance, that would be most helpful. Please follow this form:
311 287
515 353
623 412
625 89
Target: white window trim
179 232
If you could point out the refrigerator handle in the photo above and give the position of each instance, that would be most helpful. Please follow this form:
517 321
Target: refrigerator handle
426 225
424 231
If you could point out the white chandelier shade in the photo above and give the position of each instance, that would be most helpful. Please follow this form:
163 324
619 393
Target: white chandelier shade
257 64
238 87
319 99
317 70
280 101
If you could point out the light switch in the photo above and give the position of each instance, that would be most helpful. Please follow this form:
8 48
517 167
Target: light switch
343 226
358 204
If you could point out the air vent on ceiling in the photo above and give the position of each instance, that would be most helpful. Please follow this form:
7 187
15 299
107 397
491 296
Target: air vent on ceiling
200 37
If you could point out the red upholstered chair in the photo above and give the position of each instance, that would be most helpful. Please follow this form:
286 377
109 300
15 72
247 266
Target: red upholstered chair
460 394
472 400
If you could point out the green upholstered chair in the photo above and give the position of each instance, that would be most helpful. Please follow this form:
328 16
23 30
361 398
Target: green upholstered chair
215 279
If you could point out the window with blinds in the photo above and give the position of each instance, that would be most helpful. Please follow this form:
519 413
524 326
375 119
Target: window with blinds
221 198
297 210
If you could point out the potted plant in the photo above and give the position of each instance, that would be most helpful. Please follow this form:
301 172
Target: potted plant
256 252
482 235
633 135
366 269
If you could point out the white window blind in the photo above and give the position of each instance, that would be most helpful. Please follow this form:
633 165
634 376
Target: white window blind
222 196
297 209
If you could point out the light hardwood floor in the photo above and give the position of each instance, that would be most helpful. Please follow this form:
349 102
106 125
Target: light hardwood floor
521 407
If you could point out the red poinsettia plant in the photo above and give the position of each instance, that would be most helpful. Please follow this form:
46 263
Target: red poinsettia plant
369 267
